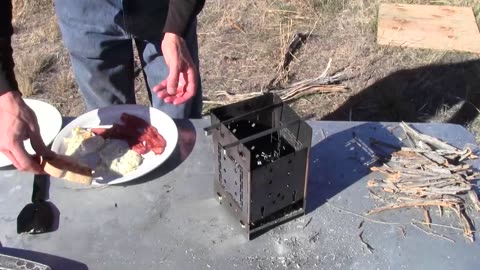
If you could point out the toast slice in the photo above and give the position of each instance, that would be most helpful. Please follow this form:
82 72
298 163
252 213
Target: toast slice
65 167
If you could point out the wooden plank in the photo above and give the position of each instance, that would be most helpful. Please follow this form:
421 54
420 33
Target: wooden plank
428 26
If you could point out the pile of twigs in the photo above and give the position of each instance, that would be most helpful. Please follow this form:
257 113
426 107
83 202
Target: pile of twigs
322 84
431 173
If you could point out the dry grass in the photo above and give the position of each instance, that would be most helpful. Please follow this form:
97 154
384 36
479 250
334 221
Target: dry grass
41 64
28 70
63 80
242 44
25 10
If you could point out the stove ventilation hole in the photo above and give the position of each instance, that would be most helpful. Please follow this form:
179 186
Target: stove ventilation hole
262 210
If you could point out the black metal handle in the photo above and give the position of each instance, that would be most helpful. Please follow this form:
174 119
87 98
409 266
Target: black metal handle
41 183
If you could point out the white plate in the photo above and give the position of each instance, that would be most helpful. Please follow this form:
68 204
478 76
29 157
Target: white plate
49 120
110 115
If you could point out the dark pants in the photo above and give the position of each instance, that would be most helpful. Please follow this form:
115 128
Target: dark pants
99 36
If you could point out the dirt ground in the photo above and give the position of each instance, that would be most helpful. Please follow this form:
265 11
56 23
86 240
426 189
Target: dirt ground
243 42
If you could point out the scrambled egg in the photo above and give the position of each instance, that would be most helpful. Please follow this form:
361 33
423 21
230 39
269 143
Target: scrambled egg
114 156
117 157
82 142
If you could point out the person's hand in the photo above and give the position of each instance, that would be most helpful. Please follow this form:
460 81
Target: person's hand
18 123
181 82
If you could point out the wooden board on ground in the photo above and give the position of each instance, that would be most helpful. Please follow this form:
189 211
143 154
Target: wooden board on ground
428 26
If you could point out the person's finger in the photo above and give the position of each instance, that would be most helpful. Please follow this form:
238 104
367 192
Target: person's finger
169 99
180 93
24 160
190 87
160 87
172 80
163 94
36 138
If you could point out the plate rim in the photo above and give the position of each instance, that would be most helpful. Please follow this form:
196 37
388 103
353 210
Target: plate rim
126 108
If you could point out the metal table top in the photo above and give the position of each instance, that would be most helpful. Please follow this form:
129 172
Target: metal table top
169 219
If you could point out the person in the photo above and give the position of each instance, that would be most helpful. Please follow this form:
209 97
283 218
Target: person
98 35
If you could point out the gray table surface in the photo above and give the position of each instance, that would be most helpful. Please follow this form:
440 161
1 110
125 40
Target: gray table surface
169 219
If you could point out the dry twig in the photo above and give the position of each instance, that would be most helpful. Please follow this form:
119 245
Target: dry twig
465 221
472 195
444 203
427 217
431 173
432 233
321 84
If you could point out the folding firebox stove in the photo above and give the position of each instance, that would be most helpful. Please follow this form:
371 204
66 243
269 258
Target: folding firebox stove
262 149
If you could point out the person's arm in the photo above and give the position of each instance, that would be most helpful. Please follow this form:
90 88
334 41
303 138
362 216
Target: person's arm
7 77
181 83
17 120
181 14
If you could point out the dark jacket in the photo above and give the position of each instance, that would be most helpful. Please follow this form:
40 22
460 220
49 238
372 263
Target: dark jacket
180 15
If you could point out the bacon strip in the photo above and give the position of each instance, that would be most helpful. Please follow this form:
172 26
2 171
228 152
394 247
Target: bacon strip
140 135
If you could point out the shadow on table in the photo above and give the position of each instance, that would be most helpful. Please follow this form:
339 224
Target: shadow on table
54 262
343 158
8 168
187 137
